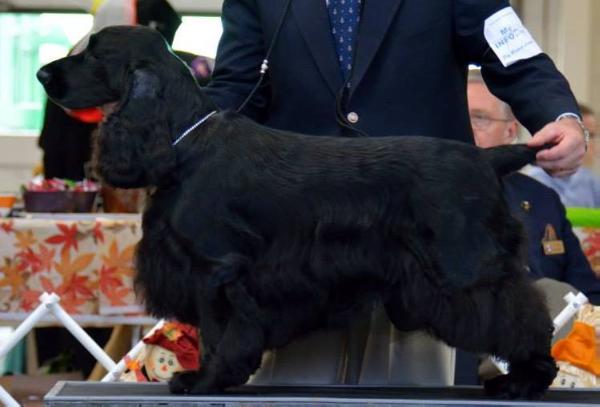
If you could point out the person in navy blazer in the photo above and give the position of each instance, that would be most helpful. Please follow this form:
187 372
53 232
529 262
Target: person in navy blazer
408 76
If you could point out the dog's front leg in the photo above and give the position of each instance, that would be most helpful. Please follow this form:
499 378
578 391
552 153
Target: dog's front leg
238 353
213 304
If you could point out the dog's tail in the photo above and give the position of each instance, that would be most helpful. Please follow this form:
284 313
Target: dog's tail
509 158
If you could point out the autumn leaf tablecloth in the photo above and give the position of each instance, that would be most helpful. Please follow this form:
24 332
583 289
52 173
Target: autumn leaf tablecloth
88 263
589 237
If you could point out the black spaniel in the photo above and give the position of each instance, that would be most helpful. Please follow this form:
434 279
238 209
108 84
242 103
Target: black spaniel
258 236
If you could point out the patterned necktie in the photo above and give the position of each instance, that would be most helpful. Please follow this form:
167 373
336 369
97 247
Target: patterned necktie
344 16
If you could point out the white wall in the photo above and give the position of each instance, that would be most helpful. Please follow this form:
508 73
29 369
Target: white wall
18 157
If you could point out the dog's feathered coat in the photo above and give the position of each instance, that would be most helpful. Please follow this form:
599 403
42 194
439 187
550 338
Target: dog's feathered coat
258 236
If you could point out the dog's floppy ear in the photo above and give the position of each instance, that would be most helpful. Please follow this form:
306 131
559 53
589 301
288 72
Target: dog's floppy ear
144 82
134 148
141 86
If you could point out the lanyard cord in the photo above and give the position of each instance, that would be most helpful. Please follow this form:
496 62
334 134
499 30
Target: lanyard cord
265 64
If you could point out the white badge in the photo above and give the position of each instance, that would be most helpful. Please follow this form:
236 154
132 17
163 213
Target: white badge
508 38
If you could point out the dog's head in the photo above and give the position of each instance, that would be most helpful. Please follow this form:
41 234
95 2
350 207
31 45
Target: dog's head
116 61
148 94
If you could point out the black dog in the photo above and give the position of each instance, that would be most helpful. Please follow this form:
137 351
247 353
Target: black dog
258 236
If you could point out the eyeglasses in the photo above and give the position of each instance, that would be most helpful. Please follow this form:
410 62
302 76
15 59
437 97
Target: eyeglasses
482 122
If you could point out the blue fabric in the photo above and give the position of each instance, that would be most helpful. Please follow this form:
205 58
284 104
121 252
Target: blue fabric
344 16
580 190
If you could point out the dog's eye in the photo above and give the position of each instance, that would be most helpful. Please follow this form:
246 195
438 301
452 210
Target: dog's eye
90 56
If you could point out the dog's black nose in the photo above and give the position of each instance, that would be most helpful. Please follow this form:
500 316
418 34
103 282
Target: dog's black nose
44 76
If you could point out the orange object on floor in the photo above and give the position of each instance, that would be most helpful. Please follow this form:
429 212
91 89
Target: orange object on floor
579 348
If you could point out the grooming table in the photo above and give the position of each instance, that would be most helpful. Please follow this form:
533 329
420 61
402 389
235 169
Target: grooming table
67 394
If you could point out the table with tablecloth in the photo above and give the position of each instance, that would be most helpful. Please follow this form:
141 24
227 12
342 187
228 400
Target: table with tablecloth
87 260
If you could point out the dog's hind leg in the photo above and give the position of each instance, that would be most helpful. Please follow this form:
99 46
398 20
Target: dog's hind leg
508 319
238 353
522 331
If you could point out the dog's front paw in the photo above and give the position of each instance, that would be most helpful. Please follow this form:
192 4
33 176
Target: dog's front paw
191 383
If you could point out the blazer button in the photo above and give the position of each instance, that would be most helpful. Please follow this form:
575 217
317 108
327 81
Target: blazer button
352 117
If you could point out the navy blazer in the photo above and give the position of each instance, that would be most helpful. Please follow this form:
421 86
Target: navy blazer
545 208
409 72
